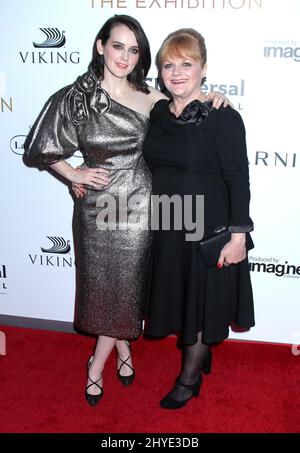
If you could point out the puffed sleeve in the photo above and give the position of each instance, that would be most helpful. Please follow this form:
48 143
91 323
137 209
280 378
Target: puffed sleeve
232 153
53 136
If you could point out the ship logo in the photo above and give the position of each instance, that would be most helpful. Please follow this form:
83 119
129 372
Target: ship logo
60 245
55 38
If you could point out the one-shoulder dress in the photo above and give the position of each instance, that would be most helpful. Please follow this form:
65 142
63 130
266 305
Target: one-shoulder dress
111 232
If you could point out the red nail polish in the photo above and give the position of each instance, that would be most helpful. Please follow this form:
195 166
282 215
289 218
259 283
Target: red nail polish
219 265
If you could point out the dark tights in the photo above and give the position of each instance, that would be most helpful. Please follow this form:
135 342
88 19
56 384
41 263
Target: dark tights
192 359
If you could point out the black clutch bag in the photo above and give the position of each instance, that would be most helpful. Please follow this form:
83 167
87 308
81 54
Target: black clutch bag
211 247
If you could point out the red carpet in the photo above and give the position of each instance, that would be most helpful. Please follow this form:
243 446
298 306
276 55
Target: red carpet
253 388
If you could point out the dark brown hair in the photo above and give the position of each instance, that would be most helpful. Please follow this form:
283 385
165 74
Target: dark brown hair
138 75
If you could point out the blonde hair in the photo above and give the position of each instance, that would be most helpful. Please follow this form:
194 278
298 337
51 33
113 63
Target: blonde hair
185 42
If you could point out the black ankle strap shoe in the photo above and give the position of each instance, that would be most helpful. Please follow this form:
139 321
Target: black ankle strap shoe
169 402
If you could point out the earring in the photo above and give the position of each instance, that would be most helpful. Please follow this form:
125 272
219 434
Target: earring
203 80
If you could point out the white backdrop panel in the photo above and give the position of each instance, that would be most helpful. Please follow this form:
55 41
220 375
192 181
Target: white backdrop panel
253 57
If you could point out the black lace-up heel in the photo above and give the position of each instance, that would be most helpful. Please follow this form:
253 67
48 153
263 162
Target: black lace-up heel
93 399
126 380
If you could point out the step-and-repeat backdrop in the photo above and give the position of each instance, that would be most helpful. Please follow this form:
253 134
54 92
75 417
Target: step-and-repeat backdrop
253 58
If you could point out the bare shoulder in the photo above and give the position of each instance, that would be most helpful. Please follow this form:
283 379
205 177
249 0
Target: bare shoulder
142 102
155 96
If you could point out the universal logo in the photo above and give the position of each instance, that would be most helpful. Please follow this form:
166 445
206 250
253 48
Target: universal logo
288 49
272 266
54 39
52 255
236 88
3 278
230 89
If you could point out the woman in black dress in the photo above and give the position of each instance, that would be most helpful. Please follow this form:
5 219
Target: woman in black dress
193 149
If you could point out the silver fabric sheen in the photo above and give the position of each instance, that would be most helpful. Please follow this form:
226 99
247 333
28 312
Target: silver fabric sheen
111 263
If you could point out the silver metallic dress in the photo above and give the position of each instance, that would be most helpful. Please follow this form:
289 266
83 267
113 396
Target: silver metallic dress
111 233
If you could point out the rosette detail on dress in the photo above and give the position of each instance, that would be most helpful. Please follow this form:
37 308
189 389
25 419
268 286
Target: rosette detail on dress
195 112
86 95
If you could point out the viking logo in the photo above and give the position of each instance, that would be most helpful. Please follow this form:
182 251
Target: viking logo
59 245
55 38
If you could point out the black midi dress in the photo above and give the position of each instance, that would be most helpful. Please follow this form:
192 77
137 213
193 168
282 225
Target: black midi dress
203 152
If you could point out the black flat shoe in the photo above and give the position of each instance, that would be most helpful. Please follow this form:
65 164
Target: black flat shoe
93 399
126 380
168 402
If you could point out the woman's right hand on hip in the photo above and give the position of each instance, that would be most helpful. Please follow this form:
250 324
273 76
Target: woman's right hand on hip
94 177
